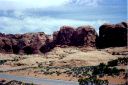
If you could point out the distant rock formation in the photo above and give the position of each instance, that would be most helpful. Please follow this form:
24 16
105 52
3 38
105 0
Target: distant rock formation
81 36
28 43
113 35
85 36
110 35
64 36
49 44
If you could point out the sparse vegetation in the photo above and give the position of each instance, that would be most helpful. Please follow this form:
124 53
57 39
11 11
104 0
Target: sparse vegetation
92 81
14 82
61 63
102 70
113 63
2 61
119 61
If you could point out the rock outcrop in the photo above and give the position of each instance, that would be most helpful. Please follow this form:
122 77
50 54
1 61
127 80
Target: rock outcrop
64 35
28 43
81 36
49 44
85 36
112 35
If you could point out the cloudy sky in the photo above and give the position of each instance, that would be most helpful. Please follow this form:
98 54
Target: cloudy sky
21 16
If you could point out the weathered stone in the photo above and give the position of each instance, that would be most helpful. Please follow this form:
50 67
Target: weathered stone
28 43
64 36
82 36
110 35
85 35
113 35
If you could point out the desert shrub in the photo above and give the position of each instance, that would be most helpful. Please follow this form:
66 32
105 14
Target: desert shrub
102 66
100 69
2 61
103 69
19 64
58 73
118 61
122 70
123 60
113 63
107 71
115 71
92 81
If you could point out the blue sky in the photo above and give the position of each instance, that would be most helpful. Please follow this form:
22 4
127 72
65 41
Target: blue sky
21 16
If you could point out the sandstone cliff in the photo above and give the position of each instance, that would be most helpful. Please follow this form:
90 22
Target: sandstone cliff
110 35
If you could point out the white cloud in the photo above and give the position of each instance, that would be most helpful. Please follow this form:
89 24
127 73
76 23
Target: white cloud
92 3
54 13
23 4
45 24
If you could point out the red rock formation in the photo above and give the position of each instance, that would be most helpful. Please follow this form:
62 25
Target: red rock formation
85 35
113 35
49 44
28 43
82 36
5 44
64 36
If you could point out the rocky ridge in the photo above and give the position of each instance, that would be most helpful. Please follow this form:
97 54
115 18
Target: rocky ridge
110 35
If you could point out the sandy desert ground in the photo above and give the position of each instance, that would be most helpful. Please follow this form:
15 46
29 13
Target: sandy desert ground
55 64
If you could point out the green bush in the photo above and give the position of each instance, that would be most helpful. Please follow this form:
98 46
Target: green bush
123 60
103 69
118 61
92 81
99 69
113 63
115 71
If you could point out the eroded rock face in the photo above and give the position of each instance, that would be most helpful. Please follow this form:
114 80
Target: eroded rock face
64 36
110 35
81 36
85 35
49 44
28 43
113 35
5 44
